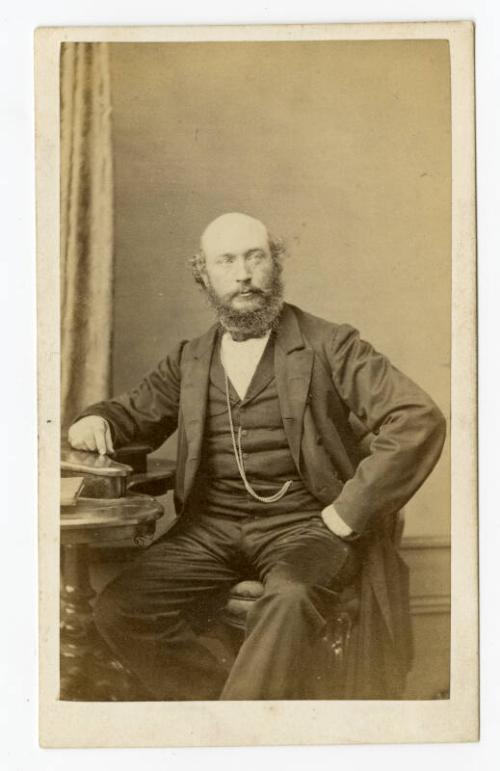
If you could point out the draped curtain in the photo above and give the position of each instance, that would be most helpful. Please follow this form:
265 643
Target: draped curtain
86 227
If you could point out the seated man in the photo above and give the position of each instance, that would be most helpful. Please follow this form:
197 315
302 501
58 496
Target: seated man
271 482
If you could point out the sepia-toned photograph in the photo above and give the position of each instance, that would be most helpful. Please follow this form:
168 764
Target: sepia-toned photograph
251 438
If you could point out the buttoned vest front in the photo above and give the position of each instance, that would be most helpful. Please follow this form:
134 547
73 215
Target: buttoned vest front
267 458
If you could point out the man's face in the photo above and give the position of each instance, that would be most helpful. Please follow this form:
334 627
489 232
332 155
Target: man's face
238 264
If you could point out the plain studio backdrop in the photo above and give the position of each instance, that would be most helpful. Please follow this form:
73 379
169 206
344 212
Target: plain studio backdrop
342 148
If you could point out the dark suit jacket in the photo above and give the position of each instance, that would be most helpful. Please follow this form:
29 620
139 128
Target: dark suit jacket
325 375
333 387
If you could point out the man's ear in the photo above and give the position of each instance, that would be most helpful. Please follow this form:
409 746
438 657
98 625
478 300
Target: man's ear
204 277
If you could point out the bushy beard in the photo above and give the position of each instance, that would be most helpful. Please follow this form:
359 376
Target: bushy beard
243 324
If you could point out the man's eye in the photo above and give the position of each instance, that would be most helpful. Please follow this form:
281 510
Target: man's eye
226 258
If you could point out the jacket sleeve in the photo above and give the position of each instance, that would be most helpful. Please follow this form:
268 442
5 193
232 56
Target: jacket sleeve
149 412
408 427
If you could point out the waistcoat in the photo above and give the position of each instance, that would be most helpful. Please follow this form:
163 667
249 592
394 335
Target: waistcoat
266 454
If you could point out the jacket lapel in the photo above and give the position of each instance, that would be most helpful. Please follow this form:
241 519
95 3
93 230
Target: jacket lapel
293 363
193 399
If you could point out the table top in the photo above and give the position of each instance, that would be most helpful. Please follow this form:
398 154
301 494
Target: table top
110 512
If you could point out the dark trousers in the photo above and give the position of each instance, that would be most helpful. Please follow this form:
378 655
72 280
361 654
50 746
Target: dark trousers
151 613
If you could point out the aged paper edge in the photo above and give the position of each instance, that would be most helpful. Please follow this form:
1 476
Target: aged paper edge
153 724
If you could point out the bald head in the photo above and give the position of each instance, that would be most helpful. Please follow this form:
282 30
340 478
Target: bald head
234 233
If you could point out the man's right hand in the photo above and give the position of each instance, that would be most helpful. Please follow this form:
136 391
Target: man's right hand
92 434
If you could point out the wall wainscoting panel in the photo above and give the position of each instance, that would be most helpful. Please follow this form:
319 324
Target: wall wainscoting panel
428 559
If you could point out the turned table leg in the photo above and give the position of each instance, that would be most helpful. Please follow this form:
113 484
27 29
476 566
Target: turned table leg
77 627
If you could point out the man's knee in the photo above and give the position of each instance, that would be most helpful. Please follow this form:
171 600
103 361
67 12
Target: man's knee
285 596
288 590
293 600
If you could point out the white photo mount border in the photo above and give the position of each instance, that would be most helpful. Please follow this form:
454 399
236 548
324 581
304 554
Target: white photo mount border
72 724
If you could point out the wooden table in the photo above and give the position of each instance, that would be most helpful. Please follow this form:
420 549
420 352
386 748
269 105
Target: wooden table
114 506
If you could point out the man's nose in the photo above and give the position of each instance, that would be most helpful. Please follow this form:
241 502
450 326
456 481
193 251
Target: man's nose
242 270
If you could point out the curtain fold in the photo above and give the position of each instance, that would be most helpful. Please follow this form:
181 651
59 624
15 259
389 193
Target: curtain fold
86 217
